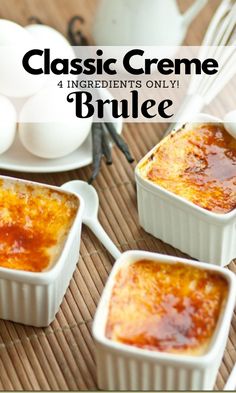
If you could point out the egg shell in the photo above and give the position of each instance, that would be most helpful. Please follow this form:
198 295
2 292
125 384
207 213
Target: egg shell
15 41
8 122
48 125
47 37
12 34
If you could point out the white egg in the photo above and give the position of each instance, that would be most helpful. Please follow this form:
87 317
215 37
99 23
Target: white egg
11 33
230 123
48 125
8 121
15 41
47 37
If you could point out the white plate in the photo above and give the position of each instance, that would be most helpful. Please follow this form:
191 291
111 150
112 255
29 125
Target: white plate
18 159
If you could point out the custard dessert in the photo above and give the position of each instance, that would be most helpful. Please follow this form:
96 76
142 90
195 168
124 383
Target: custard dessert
34 224
198 163
165 307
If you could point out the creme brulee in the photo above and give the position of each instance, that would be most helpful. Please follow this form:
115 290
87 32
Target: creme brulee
165 307
197 163
34 223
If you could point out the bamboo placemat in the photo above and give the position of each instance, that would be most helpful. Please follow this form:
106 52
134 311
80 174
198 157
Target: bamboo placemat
61 357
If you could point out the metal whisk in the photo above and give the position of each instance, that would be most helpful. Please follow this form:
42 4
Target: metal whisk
203 89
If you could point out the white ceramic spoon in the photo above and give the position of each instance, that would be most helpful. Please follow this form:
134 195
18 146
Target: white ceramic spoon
90 215
230 123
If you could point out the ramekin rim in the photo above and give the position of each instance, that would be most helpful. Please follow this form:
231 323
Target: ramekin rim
47 276
214 346
217 216
184 202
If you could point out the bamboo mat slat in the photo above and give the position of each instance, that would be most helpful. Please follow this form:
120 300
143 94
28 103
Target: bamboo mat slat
61 357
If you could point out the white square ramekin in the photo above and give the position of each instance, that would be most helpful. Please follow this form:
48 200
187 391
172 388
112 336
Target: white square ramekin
200 233
34 298
124 367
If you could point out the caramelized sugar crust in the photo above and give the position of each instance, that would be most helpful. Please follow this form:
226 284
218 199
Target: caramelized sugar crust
198 164
34 223
165 307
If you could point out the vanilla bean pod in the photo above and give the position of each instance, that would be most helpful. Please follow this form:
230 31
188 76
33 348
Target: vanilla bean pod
97 133
35 20
119 141
106 147
76 36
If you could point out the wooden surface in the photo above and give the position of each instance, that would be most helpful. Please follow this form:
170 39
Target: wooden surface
61 357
